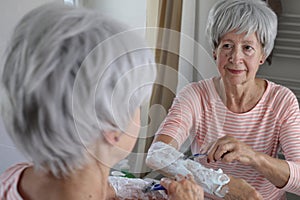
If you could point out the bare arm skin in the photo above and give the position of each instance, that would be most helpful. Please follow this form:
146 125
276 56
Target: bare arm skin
166 139
275 170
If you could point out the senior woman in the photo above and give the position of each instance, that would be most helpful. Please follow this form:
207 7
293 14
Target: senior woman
74 82
239 120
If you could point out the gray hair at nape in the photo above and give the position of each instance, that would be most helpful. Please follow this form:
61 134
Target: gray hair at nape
71 74
248 16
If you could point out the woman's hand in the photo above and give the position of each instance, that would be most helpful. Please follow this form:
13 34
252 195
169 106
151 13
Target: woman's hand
182 188
240 189
228 149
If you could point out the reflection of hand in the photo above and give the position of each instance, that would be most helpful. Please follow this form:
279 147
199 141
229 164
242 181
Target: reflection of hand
228 149
240 189
183 188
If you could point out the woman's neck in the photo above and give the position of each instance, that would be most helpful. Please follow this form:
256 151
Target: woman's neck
90 182
240 98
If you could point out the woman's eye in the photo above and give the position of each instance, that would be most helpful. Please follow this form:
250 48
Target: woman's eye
248 48
227 46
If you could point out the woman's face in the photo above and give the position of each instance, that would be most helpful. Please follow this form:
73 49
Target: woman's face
118 144
238 57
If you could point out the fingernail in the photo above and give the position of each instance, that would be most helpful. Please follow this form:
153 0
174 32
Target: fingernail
165 180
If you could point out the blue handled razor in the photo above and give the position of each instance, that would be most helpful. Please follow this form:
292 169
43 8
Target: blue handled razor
197 155
153 187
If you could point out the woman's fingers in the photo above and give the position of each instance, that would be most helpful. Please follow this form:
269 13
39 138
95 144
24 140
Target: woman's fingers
228 149
183 187
220 148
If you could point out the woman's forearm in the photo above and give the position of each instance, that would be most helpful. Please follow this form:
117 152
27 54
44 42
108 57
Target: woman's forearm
166 139
275 170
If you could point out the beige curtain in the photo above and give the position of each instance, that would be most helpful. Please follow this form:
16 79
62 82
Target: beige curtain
169 18
183 55
162 16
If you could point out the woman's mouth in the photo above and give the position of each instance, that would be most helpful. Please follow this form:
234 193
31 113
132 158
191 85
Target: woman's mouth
235 71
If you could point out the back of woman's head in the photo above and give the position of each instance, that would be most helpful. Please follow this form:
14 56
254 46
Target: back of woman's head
248 16
71 74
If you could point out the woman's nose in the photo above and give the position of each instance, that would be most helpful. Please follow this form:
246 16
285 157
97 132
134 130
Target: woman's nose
236 56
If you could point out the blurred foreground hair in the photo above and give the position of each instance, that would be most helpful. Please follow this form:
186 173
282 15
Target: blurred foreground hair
71 74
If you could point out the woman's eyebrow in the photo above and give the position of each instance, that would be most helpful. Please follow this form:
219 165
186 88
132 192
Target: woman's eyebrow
226 40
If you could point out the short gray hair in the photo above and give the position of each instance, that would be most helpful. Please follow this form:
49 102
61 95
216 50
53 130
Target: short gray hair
71 74
248 16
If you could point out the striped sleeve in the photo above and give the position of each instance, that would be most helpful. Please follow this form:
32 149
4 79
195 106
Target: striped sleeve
180 118
290 141
293 184
9 182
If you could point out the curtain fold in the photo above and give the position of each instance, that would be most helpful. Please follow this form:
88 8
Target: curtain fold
164 23
182 53
164 91
176 30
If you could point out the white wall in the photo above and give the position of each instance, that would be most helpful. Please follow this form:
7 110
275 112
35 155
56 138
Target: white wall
131 12
196 61
10 13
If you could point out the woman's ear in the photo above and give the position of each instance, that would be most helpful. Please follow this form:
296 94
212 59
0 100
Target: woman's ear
112 137
262 60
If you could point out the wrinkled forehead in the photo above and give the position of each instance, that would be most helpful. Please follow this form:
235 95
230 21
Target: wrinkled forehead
241 36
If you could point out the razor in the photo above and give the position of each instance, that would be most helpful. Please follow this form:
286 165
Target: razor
153 187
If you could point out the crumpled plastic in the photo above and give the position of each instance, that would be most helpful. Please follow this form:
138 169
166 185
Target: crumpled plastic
131 188
170 161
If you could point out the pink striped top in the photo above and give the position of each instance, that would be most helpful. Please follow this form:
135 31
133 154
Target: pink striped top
272 125
9 182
